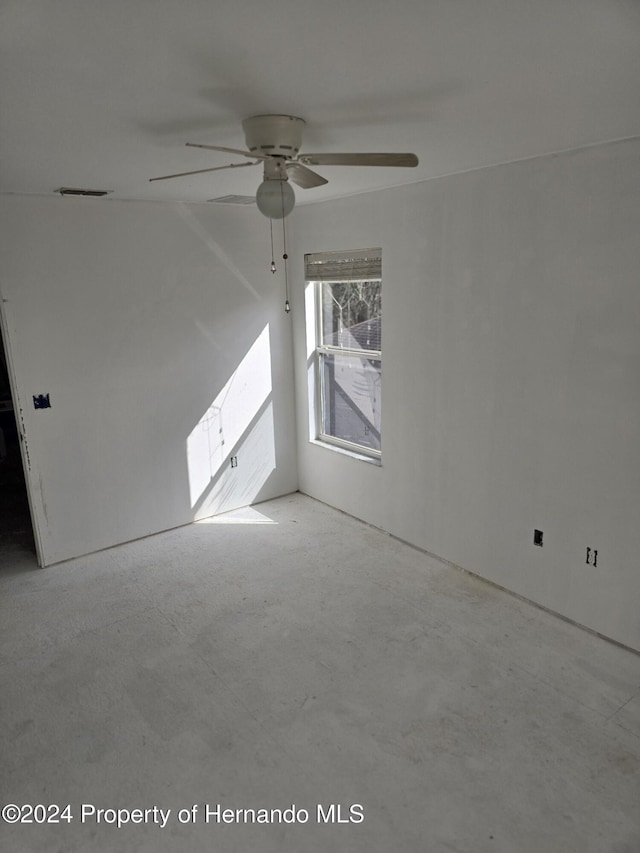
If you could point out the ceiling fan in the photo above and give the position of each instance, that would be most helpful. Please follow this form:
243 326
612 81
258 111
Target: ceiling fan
274 141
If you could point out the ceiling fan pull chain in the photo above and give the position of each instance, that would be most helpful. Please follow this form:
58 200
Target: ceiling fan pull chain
273 263
285 256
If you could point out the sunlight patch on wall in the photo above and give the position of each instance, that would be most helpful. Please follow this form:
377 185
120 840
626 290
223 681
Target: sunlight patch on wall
228 421
236 487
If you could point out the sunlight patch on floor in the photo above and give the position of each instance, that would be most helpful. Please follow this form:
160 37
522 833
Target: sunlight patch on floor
245 515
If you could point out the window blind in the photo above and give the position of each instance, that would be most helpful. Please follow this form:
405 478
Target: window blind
358 265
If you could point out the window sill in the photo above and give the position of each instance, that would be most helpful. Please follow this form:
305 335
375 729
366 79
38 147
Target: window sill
372 460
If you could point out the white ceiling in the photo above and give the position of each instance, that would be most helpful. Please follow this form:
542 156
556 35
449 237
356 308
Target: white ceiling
104 93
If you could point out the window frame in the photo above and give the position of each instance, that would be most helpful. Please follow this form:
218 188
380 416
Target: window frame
321 350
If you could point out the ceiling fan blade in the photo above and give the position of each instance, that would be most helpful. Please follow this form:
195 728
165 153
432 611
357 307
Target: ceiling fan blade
304 177
359 159
201 171
253 156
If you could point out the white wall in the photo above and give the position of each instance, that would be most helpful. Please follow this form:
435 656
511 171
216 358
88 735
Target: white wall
511 377
158 332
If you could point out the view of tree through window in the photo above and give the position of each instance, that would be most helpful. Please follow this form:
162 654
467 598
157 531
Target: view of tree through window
350 362
348 305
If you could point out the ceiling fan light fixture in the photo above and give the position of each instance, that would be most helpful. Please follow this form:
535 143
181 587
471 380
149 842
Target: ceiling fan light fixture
274 141
275 198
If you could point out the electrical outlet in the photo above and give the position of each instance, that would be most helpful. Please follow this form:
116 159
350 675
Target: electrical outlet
592 557
41 401
234 461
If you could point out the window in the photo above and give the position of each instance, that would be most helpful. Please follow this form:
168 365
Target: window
348 348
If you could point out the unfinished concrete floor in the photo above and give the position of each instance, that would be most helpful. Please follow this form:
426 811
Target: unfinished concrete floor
288 654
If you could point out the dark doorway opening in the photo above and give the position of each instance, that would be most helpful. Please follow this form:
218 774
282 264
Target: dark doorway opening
16 530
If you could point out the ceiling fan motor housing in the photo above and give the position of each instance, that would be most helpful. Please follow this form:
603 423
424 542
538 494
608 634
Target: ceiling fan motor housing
277 135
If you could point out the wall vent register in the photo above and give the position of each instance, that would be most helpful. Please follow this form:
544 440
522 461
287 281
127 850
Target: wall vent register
78 191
